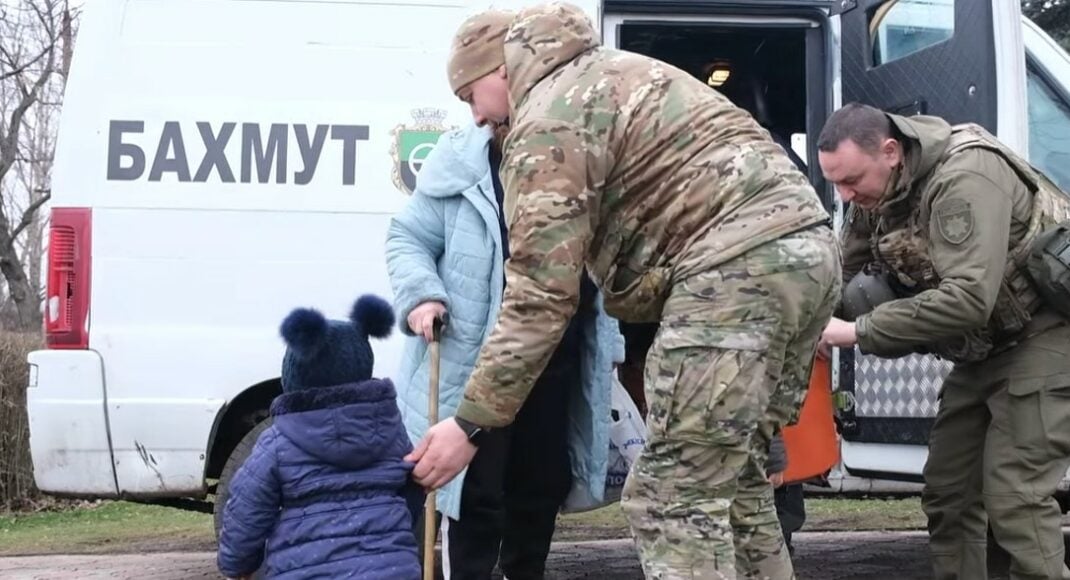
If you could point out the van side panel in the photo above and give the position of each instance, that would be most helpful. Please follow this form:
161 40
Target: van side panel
190 317
243 159
68 424
287 114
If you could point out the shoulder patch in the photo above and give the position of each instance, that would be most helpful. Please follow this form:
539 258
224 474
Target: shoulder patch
955 222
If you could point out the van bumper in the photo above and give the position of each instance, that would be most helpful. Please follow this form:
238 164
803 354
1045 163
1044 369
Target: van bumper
69 441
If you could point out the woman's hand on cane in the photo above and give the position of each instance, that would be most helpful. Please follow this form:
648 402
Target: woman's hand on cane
422 318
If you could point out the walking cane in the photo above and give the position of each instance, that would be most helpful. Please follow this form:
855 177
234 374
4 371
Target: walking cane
430 529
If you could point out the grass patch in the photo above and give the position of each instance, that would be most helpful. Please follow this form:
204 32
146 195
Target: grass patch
863 514
104 528
124 527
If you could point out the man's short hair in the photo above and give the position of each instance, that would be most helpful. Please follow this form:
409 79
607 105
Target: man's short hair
867 126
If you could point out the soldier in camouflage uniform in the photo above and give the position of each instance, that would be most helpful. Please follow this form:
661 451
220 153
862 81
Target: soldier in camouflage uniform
685 212
945 218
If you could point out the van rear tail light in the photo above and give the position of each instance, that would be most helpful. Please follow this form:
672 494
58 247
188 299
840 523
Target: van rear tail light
67 301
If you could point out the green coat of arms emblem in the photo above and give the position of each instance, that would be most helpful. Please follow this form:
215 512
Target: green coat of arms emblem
412 144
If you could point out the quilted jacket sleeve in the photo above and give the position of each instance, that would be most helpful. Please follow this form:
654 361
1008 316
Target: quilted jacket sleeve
252 510
415 241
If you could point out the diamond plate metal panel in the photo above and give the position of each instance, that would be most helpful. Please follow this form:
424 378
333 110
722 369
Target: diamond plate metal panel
898 388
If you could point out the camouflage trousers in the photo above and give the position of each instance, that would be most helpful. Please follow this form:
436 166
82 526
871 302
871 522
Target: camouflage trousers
730 364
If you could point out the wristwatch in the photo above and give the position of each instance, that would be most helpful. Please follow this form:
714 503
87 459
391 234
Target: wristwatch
474 432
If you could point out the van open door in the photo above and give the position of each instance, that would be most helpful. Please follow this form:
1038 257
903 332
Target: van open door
959 59
962 60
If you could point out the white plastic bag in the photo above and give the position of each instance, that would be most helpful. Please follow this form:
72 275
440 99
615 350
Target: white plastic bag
627 436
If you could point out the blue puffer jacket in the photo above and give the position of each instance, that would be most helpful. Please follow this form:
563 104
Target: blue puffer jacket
325 491
446 245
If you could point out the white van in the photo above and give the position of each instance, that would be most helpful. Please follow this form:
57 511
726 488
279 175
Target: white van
221 162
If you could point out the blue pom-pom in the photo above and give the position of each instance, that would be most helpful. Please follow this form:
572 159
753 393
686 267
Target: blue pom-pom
304 331
374 315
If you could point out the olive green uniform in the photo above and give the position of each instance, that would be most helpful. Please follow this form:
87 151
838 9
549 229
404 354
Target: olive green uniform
951 237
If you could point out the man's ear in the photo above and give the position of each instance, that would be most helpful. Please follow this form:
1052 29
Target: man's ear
892 151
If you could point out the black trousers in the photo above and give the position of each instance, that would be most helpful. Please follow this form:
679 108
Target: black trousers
790 510
515 485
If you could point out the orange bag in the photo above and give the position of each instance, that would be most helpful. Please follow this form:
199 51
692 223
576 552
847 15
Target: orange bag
812 445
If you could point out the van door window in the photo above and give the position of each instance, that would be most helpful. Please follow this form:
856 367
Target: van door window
899 28
1049 129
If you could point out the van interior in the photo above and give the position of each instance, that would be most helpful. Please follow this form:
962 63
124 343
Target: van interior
762 70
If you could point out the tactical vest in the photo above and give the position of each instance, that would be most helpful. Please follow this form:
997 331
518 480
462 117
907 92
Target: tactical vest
904 252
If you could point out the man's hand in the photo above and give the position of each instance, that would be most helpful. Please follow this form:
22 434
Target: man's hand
777 479
422 318
443 452
839 334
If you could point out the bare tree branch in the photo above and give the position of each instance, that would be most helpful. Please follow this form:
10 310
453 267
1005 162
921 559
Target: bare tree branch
18 70
30 213
15 122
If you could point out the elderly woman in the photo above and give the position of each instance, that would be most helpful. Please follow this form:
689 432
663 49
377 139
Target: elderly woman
445 254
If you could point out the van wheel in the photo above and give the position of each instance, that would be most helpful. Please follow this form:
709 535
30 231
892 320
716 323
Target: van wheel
230 468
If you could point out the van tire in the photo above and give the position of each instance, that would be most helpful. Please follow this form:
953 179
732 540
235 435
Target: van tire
237 457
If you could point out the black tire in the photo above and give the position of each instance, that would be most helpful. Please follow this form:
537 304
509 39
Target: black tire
230 468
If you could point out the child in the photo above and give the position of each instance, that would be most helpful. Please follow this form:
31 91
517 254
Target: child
325 492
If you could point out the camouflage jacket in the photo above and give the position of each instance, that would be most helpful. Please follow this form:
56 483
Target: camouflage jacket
953 236
627 166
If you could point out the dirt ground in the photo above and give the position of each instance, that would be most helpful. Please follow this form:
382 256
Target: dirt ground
819 555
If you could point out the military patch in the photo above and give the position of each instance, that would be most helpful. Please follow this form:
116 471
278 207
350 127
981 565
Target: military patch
411 145
955 221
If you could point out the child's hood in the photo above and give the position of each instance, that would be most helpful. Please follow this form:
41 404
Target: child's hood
352 426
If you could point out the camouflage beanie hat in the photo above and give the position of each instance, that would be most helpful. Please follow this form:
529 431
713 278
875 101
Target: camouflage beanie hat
478 47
